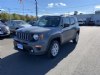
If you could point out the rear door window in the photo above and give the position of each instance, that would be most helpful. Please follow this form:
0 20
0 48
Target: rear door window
66 20
72 21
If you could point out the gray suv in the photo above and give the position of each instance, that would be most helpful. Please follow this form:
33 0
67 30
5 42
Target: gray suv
47 34
4 30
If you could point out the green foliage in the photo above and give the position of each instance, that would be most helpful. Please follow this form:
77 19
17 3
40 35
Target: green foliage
5 16
15 16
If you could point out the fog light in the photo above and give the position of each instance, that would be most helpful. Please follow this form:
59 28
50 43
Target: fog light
38 46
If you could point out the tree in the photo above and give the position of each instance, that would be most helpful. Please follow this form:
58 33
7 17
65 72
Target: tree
75 12
16 16
22 17
33 18
4 16
27 17
81 13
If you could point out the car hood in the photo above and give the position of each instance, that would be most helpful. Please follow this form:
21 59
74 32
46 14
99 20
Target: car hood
36 29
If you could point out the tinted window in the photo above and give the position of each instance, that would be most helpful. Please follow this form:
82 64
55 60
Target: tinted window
12 23
66 20
72 20
18 22
9 23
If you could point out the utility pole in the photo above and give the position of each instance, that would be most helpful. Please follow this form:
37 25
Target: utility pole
22 2
23 7
36 9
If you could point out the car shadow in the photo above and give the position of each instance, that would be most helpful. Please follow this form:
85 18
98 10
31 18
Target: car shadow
23 64
7 37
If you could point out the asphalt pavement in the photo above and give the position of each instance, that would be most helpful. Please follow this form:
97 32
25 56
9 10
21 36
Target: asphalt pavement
80 59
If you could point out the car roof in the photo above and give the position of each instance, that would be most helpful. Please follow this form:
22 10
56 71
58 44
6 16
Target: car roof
61 15
52 15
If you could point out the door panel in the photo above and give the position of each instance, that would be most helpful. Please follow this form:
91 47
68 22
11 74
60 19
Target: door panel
72 32
66 31
66 34
73 27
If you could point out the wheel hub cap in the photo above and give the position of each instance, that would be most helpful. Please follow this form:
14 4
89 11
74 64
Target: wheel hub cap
55 49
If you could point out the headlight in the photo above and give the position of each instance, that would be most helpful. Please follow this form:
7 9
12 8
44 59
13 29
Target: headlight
36 36
7 28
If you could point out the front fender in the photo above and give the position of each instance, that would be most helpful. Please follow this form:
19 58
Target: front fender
52 38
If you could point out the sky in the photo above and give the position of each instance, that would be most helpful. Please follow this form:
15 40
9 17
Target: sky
49 6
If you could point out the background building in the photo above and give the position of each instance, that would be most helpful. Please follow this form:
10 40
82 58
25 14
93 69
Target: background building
90 17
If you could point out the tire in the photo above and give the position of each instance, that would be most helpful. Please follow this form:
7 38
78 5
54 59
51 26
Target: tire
54 49
75 40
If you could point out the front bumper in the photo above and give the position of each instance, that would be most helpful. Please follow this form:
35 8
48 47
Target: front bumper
34 48
4 34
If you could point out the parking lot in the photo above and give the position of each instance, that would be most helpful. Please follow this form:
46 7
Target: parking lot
80 59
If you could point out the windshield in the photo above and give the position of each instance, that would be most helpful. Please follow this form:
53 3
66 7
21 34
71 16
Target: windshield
18 22
48 21
10 23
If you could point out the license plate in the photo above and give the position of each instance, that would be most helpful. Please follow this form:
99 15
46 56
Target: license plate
20 46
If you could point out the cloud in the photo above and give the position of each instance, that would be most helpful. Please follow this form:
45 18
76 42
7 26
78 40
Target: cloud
2 9
62 4
97 7
51 5
57 4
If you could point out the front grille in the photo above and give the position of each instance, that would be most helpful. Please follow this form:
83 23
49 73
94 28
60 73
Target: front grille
24 36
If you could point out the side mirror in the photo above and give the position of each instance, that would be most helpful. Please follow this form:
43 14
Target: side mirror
66 25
